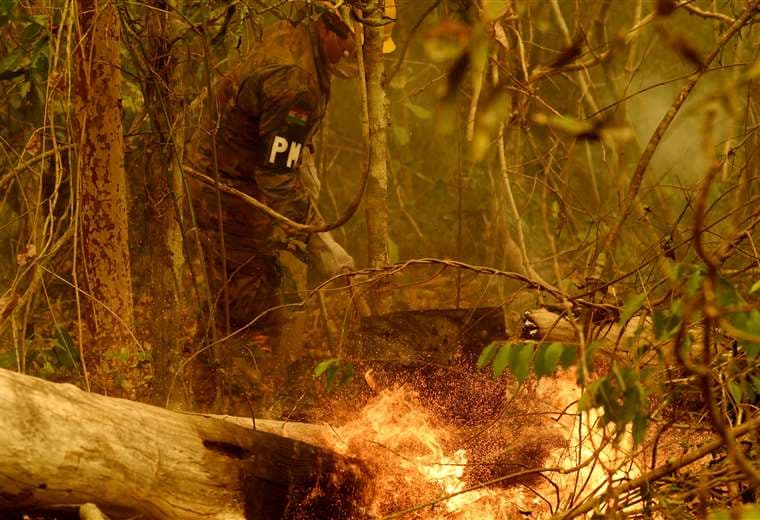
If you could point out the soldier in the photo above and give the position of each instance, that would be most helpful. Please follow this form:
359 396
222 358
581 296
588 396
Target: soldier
267 109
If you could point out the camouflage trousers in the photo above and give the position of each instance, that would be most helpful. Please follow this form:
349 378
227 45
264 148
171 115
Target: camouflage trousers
248 289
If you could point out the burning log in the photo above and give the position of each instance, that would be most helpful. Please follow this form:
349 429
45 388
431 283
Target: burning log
65 446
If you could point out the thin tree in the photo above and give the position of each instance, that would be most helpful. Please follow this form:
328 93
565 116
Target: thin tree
377 119
163 183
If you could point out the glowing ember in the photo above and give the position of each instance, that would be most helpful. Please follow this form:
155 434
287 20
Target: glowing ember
416 460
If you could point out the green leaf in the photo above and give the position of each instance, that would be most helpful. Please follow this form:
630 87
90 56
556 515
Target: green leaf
675 273
348 373
401 135
38 19
727 295
331 369
330 374
24 89
399 81
31 32
7 7
65 350
658 322
40 62
694 283
632 304
120 381
736 391
486 356
749 322
588 398
749 390
639 429
47 371
755 383
547 358
12 61
15 101
520 361
665 323
324 365
569 356
755 287
419 111
502 359
619 376
564 124
751 349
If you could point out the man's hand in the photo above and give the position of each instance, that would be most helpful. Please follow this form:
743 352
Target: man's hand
327 256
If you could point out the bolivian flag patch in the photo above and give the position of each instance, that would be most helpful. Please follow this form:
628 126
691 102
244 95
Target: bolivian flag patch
298 116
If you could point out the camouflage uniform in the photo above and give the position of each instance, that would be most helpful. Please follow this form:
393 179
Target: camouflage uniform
269 108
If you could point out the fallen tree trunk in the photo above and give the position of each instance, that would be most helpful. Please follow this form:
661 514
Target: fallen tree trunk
545 325
61 445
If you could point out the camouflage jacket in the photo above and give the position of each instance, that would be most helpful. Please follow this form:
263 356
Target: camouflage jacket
267 110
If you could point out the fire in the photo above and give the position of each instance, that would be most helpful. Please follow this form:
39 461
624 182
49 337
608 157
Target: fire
407 445
590 458
420 467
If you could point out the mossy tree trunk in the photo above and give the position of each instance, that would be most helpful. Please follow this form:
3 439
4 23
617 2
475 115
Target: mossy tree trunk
110 353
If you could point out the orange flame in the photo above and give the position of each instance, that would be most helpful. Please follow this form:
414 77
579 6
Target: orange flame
417 465
398 436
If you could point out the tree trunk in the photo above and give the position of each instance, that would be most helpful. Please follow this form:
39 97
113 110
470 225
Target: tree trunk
377 184
65 446
110 352
163 184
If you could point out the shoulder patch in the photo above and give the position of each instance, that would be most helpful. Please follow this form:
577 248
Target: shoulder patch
298 116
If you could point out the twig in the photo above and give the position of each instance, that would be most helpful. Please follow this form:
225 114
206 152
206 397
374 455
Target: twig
708 14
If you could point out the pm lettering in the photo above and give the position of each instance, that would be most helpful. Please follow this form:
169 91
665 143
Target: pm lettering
280 145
